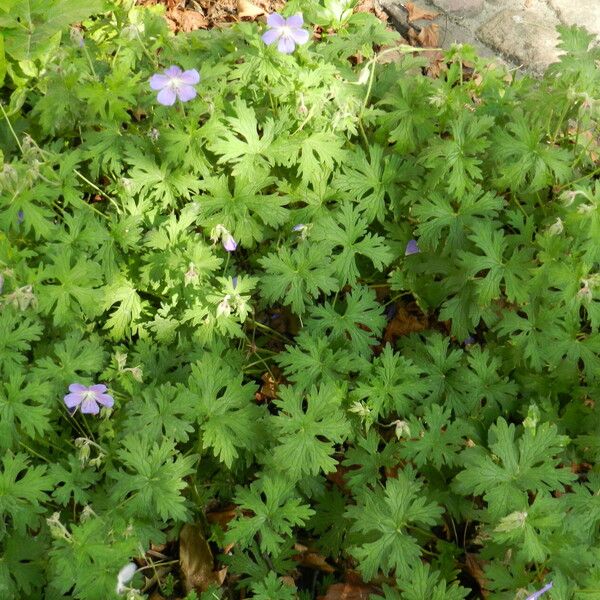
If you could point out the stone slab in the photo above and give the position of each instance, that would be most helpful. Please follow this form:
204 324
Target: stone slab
523 37
585 13
460 8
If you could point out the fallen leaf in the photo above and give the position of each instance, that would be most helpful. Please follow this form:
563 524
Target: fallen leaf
429 37
348 591
404 323
186 20
415 13
313 560
222 517
248 9
196 560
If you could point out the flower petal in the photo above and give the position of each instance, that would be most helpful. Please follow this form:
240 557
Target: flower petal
158 81
412 248
229 243
105 399
186 93
72 400
100 388
300 36
89 406
77 387
173 71
270 36
166 97
295 21
286 45
190 77
275 20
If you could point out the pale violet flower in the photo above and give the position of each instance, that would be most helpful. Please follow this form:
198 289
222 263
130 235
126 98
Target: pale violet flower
537 594
412 248
173 84
125 576
87 399
228 241
286 32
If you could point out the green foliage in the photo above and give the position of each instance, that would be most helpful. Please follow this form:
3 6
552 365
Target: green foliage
410 416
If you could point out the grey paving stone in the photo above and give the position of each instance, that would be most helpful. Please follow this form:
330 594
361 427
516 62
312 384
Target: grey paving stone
585 13
460 8
523 37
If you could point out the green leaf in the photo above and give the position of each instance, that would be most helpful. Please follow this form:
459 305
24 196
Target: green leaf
296 276
510 469
307 429
381 518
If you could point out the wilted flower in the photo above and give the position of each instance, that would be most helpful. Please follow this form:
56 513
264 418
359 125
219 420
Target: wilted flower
191 275
557 227
76 37
537 594
516 520
228 241
88 398
1 282
402 429
234 281
154 134
363 77
174 84
299 227
125 576
412 248
287 32
224 308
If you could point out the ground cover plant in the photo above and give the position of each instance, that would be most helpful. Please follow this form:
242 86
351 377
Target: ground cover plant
282 316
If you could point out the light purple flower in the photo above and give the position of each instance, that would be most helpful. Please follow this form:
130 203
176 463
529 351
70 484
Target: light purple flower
229 242
299 227
20 216
174 84
287 32
469 341
412 248
88 398
537 594
234 282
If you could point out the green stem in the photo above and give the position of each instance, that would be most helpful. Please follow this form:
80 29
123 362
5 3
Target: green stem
95 187
14 134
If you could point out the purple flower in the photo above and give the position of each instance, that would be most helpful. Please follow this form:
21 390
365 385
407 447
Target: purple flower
88 398
234 281
299 227
20 216
228 242
469 341
287 32
173 84
537 594
412 248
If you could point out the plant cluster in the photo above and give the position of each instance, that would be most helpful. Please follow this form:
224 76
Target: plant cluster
181 216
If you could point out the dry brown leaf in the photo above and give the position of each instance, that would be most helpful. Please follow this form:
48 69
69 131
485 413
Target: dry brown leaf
186 20
416 13
247 9
196 560
347 591
474 567
404 323
313 560
222 517
429 37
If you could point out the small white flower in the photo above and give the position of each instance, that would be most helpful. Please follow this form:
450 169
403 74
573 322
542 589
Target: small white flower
224 308
125 576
